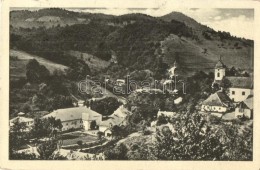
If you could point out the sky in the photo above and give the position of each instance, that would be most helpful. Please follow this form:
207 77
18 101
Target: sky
239 22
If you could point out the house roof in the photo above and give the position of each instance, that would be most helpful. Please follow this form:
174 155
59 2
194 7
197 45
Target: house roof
168 81
248 103
90 115
20 119
241 82
120 80
73 114
117 117
114 120
217 99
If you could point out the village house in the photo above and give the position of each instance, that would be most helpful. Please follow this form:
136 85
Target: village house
117 118
241 88
28 122
245 108
173 71
166 113
217 104
120 82
76 118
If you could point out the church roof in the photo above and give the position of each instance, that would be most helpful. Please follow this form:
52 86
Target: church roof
217 99
241 82
220 64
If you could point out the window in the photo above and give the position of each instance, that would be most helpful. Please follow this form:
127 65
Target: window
67 124
243 93
233 92
219 108
218 75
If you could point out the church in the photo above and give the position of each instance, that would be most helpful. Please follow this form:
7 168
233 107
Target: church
238 88
234 91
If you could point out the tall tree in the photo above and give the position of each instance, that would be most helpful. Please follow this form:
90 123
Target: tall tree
36 72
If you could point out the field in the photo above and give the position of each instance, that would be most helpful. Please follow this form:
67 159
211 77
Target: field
19 59
94 63
204 55
73 137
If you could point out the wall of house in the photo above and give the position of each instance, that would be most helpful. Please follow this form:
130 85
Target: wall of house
220 109
86 124
236 94
66 125
248 113
108 133
238 113
217 114
220 72
99 119
102 128
165 113
243 112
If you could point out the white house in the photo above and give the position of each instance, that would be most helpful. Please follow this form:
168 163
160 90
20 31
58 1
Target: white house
245 108
81 103
28 122
117 118
120 82
217 103
178 100
173 71
166 113
241 88
76 117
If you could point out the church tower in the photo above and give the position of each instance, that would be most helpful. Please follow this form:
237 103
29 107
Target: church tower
174 70
220 70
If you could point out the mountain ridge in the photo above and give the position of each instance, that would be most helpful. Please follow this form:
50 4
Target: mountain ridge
137 40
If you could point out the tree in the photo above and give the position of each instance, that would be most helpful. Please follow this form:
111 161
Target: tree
21 156
78 70
17 135
36 72
117 153
47 127
118 131
192 139
105 106
238 142
46 149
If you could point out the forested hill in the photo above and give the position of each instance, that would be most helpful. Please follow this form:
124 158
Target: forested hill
136 41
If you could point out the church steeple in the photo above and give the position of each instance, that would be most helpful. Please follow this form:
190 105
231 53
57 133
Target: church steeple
175 64
220 70
220 63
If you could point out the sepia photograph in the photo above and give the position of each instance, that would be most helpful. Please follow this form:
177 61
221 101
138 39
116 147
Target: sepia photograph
131 84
